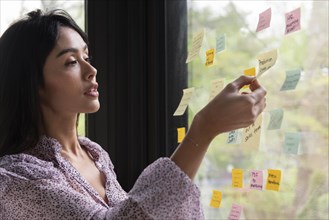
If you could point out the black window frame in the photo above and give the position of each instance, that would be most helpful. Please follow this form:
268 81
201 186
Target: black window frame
139 49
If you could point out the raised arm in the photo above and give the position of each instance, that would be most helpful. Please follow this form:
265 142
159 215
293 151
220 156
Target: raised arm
229 110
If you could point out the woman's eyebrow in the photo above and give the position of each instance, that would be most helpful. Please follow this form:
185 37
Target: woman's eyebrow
67 50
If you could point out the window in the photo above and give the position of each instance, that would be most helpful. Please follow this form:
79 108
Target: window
303 192
13 10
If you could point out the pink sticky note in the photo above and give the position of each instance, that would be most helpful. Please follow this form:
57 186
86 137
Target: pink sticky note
235 212
293 21
256 179
264 20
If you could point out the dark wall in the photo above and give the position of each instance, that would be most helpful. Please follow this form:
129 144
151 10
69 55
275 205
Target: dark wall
139 49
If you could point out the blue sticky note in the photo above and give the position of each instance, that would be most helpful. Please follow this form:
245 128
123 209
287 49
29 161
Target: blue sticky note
291 143
276 119
233 137
292 79
220 43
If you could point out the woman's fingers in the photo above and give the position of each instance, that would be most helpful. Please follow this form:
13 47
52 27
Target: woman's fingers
243 80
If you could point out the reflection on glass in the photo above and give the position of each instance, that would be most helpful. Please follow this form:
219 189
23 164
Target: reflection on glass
303 191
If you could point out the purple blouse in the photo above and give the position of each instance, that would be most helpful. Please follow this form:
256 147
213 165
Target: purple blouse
41 184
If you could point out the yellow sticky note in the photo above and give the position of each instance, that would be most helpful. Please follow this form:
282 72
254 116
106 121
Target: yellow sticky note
249 72
187 96
216 199
266 61
273 180
210 57
196 46
237 178
216 86
180 134
251 134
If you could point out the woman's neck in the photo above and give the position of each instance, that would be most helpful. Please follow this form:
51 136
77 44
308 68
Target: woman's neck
63 129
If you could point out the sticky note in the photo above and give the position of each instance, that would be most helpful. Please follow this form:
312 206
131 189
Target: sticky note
292 79
180 134
256 179
216 199
276 119
264 20
233 137
237 178
266 61
216 86
220 43
210 57
187 95
291 143
292 21
249 72
196 46
251 135
273 180
235 212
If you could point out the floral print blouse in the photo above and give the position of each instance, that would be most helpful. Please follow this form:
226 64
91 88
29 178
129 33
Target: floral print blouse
41 184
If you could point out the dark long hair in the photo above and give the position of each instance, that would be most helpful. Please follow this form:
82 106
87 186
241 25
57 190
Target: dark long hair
24 47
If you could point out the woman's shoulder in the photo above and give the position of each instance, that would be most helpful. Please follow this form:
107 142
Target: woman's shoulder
26 167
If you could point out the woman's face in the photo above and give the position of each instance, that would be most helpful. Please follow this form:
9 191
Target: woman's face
70 85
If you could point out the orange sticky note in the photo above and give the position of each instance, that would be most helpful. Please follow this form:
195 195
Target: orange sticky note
237 178
249 72
180 134
210 57
216 199
273 180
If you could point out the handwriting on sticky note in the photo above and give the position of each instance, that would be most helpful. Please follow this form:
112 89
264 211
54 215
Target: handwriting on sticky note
264 20
210 57
276 119
249 72
291 143
292 79
196 46
251 134
216 86
292 21
180 134
220 43
273 180
235 212
256 179
237 178
216 199
187 95
233 137
266 61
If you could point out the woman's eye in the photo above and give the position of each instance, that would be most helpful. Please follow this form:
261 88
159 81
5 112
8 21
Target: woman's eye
71 63
88 59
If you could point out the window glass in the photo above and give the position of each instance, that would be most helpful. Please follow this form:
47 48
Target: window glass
11 10
303 190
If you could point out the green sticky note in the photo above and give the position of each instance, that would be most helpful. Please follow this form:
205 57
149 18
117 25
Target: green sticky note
291 143
220 43
276 119
292 79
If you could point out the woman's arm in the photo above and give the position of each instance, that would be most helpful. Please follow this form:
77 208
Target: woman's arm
229 110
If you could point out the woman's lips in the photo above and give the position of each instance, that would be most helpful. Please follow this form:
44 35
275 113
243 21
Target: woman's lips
92 93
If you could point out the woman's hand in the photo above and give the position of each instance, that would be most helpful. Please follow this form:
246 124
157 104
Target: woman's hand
229 110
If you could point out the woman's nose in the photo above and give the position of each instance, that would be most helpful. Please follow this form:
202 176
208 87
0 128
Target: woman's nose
91 71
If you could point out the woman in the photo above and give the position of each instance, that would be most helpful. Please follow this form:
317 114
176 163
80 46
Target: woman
48 172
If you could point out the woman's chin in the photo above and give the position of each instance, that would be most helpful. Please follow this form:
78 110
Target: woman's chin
92 109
